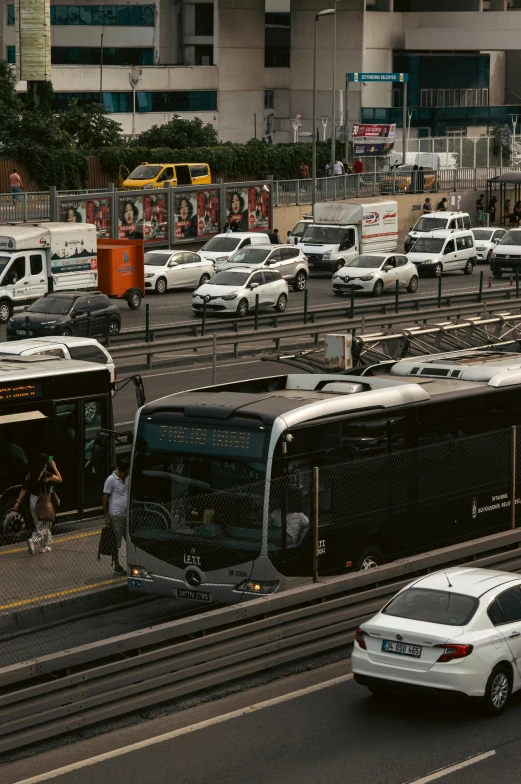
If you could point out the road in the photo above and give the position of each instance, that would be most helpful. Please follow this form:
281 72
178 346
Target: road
316 726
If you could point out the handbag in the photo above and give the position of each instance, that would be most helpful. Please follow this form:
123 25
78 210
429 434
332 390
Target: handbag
55 499
107 543
44 508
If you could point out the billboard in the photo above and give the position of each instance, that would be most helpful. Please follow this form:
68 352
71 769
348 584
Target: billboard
249 208
370 149
96 211
73 252
33 40
196 214
374 131
143 218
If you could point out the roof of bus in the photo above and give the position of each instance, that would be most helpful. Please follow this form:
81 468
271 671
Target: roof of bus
21 367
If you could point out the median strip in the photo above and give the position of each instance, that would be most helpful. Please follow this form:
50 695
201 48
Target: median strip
58 594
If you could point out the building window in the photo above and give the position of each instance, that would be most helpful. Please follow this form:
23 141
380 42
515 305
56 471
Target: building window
203 19
10 15
277 41
269 99
11 54
119 15
447 98
91 55
121 102
203 54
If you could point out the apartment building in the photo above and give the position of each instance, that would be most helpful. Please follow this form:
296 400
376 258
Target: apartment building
246 65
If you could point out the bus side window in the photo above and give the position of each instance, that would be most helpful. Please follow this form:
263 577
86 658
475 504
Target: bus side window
370 437
435 423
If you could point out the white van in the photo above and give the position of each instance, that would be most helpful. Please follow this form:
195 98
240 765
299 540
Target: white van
436 221
444 251
221 247
297 232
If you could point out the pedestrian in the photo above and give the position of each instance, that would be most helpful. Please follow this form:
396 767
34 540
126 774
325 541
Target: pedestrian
16 185
480 210
421 179
491 209
303 171
338 168
227 228
275 238
270 140
515 218
442 205
43 474
289 241
414 178
264 140
358 166
427 207
115 504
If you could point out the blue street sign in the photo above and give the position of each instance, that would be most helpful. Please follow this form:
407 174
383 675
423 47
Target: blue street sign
378 77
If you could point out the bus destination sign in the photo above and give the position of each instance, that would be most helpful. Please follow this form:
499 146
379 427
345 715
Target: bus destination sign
20 390
230 441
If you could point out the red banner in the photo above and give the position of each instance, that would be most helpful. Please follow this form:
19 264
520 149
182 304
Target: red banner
374 131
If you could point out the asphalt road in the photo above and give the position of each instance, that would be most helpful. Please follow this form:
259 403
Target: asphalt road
316 727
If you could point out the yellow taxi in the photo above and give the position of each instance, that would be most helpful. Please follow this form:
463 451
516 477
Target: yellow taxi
159 175
405 179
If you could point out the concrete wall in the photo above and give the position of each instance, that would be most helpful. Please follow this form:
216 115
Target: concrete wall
460 31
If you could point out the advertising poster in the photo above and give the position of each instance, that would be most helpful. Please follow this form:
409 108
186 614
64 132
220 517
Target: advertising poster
74 251
143 218
196 214
248 208
374 131
369 149
96 211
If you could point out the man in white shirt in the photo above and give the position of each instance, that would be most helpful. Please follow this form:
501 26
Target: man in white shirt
115 504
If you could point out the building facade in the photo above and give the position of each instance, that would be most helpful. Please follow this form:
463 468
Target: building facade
245 66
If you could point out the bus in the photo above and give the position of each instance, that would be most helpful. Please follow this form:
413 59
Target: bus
62 408
411 454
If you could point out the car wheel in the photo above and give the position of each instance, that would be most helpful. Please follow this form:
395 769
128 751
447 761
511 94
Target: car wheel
6 311
438 270
13 524
497 274
469 268
134 299
91 410
497 691
369 558
66 332
338 265
114 328
378 288
282 303
299 284
413 285
243 308
489 255
161 286
204 279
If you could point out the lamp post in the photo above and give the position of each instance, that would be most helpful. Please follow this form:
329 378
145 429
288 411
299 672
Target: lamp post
326 12
333 106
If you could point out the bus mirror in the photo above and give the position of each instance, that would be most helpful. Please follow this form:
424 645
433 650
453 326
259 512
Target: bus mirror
140 390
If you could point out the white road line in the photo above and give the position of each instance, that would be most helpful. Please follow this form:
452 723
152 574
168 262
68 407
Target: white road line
198 369
143 744
445 771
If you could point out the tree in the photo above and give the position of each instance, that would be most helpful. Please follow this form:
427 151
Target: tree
178 134
10 103
90 127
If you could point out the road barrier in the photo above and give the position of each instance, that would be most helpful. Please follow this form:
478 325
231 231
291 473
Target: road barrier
52 695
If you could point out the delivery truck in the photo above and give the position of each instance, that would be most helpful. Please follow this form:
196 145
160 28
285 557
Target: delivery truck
342 230
36 258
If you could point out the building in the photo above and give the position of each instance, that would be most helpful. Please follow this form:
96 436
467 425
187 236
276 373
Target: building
246 67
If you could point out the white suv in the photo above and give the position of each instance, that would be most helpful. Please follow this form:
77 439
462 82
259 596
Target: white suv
236 290
222 246
444 251
436 221
289 260
486 241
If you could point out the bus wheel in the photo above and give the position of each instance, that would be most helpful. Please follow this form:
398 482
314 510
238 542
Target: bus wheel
12 523
369 558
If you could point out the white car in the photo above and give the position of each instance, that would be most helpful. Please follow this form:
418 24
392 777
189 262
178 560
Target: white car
506 257
167 269
63 346
221 247
444 251
374 272
457 631
290 261
486 241
235 291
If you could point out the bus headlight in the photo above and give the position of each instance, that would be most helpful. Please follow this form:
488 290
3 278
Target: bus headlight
139 572
259 587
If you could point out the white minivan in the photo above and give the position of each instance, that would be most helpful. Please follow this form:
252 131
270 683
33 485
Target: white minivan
436 221
222 246
444 251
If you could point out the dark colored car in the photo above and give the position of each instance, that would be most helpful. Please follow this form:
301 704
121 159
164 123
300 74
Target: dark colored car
67 313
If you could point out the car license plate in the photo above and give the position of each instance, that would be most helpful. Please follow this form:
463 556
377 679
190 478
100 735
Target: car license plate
23 332
198 596
402 648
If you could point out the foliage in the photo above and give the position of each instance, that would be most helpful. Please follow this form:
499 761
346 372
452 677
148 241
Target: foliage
501 150
178 134
90 127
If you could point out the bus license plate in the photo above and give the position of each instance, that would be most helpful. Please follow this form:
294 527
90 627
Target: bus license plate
402 648
198 596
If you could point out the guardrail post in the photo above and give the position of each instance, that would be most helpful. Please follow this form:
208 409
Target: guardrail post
214 358
147 322
53 203
305 305
480 295
256 324
374 183
89 325
352 314
25 207
297 191
513 452
396 297
455 188
27 326
517 284
204 318
316 520
439 292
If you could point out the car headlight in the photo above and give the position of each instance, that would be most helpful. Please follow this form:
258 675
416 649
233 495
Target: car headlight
258 586
335 276
149 274
408 238
48 323
222 258
231 295
326 255
195 295
480 247
368 277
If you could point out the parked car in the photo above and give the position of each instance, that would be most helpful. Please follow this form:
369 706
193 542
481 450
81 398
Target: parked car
436 221
289 260
444 251
507 254
486 241
235 291
454 632
67 313
374 272
222 246
404 179
166 269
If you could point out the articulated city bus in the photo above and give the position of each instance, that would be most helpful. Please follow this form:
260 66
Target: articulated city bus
412 454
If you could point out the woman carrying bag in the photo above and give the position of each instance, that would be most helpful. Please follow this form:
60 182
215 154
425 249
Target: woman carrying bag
39 482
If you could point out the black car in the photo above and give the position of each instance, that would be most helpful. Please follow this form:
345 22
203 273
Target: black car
67 313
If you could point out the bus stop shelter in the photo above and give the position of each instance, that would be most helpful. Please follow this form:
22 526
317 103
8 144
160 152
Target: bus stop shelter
509 182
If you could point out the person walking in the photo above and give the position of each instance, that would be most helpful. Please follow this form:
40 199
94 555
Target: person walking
275 237
15 183
480 211
115 505
303 171
42 473
442 205
427 207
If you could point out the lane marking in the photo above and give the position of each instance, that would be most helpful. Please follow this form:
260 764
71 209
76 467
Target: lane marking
451 768
57 540
143 744
57 594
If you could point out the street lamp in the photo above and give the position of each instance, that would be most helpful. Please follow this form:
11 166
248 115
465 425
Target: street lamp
326 12
333 107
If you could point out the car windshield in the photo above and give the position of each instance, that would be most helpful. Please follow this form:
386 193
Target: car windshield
420 604
430 224
58 305
4 261
482 234
511 238
230 278
299 229
250 256
324 235
428 245
145 172
156 259
369 262
222 244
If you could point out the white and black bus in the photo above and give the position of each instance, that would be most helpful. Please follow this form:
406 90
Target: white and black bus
411 454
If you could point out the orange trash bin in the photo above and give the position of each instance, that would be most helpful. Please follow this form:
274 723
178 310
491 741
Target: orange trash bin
121 270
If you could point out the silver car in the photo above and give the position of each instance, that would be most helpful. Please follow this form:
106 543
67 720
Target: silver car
236 290
289 260
166 269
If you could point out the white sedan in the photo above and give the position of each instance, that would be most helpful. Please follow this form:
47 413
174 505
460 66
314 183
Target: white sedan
235 290
166 269
456 632
374 272
486 241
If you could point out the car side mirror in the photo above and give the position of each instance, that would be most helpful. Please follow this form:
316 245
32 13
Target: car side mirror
497 240
172 263
10 279
388 268
253 285
78 313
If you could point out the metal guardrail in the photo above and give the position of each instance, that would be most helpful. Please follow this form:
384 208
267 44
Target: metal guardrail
77 688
